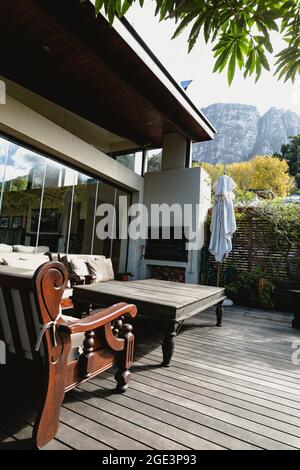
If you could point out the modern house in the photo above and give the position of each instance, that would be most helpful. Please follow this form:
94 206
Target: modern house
87 108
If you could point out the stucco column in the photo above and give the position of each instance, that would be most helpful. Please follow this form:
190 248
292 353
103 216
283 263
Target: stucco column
174 151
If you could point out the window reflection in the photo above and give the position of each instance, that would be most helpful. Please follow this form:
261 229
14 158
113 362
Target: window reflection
82 220
44 203
56 207
153 160
106 195
21 196
133 161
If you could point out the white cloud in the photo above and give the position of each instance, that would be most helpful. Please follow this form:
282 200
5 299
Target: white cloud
3 147
11 172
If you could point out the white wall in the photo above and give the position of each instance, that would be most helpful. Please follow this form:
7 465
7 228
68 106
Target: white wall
181 186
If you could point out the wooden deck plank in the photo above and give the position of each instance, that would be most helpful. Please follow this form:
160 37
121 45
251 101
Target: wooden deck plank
142 435
185 408
263 399
240 416
145 421
133 400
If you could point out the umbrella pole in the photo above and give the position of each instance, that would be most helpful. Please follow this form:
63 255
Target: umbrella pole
218 274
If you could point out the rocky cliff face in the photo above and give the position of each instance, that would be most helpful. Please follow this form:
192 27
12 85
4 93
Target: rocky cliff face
243 133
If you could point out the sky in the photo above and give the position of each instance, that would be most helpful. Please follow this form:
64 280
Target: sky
208 88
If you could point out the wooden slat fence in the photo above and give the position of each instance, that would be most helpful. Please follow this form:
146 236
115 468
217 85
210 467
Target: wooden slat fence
255 244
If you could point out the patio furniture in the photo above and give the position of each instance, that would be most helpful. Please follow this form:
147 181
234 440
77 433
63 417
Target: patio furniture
296 308
79 271
64 351
167 303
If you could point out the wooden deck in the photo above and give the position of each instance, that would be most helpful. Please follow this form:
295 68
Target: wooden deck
228 388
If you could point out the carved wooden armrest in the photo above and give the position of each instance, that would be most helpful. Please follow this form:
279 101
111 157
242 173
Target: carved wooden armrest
99 318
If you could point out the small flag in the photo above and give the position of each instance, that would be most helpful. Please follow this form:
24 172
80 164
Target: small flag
185 84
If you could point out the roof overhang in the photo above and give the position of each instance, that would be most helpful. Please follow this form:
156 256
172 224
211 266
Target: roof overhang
108 76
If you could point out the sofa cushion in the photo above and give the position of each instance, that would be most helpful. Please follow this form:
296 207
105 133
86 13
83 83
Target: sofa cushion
30 249
26 261
79 266
98 269
5 248
110 269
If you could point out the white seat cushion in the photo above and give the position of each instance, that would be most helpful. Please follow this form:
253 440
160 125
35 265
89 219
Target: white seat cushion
26 261
30 249
110 269
5 248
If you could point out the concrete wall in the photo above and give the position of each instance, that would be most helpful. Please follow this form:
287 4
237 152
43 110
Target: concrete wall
173 152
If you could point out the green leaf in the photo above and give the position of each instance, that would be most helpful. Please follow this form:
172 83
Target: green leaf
222 59
98 6
231 68
186 20
125 6
258 69
240 56
263 60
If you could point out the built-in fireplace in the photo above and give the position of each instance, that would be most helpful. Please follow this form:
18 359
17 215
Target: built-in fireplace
167 244
186 194
168 273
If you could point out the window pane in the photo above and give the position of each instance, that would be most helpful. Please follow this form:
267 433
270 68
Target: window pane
23 181
133 161
153 160
55 214
4 148
82 221
106 195
119 247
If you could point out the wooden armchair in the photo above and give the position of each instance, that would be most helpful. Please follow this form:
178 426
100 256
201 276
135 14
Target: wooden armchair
69 351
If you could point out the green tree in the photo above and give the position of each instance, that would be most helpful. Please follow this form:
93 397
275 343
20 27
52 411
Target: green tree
291 153
239 30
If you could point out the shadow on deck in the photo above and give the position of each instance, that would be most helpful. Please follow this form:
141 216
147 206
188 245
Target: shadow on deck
228 388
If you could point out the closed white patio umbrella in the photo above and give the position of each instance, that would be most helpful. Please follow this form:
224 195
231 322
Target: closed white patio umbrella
223 224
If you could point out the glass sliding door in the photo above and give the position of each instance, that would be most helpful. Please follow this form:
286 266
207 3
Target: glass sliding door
83 212
120 243
22 186
56 207
106 195
45 203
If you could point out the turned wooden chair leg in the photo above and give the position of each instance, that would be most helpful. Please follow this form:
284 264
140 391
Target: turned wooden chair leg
125 359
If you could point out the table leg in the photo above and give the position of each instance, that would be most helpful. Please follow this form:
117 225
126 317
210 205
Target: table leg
219 313
168 344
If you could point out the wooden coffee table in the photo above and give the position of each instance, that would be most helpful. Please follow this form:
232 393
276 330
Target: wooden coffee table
167 303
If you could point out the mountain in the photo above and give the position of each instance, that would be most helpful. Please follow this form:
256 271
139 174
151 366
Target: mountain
242 132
